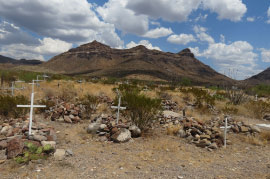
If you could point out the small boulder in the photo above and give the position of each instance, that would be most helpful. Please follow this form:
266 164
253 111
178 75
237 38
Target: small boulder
59 154
67 119
135 131
213 146
3 155
123 135
14 148
93 128
3 144
39 137
255 129
181 133
266 117
51 143
244 129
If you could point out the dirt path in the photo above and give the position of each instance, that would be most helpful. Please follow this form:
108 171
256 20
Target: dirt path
155 156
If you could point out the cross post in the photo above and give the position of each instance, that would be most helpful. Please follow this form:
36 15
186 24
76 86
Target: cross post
225 131
118 107
32 106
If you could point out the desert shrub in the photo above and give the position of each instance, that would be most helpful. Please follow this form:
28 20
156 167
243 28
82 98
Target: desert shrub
220 95
91 102
68 92
236 96
49 104
185 82
141 109
258 108
262 90
164 95
33 152
202 97
8 105
229 110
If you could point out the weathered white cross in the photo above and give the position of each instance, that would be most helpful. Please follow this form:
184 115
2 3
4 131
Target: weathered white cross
32 106
225 131
118 107
256 97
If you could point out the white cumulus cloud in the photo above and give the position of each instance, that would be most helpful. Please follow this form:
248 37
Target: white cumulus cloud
237 56
265 55
145 43
250 19
181 39
232 10
158 32
202 35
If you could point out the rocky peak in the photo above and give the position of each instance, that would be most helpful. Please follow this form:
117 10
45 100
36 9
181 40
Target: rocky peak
139 48
186 52
94 46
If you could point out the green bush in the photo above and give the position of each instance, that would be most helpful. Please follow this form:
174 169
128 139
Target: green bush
262 90
8 106
91 102
259 108
202 97
141 109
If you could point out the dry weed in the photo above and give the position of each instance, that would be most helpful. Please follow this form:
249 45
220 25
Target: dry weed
173 130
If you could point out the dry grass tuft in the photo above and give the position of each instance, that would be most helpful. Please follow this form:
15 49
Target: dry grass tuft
173 130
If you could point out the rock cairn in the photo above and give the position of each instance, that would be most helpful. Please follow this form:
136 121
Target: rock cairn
169 105
14 134
207 135
106 128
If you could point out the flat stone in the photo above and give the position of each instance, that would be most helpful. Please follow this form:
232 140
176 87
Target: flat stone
69 152
67 119
205 137
244 129
171 114
39 137
213 146
52 143
59 154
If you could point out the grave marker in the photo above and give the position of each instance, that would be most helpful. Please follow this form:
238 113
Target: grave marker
32 106
118 107
225 131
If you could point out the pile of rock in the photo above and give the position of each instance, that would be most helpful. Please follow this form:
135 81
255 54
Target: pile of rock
14 134
169 118
106 127
210 134
66 112
169 105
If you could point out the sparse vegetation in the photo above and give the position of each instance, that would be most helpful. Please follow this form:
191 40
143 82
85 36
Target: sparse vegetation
8 106
141 109
34 152
91 102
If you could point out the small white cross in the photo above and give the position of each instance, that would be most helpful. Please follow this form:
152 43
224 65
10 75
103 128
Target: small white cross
32 106
256 97
225 131
118 107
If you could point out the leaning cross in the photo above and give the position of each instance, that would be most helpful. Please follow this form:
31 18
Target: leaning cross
118 107
32 106
225 131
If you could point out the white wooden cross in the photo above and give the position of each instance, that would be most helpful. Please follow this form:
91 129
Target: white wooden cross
119 106
32 106
225 131
256 97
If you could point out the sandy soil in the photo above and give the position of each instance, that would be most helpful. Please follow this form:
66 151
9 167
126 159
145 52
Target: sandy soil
155 156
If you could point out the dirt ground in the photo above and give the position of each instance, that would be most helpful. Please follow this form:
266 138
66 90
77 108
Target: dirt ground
155 156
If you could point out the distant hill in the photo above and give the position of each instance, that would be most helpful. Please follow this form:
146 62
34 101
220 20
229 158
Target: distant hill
261 78
97 59
4 60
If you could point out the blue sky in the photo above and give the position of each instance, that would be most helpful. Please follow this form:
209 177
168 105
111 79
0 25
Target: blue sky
231 36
